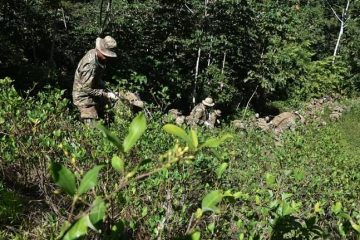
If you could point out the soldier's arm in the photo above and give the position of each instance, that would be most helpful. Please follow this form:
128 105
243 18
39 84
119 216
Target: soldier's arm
198 115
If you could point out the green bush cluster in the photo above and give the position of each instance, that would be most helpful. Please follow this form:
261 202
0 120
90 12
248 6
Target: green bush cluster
248 188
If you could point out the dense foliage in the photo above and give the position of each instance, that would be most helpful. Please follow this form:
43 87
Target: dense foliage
250 188
280 49
137 177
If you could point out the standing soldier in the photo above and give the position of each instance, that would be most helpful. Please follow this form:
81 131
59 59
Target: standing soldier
88 89
199 114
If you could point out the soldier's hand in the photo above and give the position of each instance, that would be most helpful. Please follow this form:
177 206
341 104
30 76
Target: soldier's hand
137 103
112 96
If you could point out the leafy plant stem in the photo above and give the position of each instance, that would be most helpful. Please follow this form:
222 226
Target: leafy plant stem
72 207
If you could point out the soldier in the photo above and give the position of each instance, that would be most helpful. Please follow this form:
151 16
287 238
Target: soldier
198 115
213 119
176 116
262 123
88 89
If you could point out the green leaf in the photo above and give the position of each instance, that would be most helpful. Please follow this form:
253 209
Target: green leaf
78 229
198 213
228 193
89 180
177 131
220 170
215 142
144 211
195 236
136 129
194 139
286 209
211 227
336 208
64 178
355 226
111 137
117 163
98 210
299 175
317 207
211 200
241 236
63 229
270 179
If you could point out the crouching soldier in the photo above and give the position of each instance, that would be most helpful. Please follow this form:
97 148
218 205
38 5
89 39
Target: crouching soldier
176 116
213 119
88 89
198 115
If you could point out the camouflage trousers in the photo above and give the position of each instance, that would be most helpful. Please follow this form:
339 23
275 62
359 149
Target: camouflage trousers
88 112
94 111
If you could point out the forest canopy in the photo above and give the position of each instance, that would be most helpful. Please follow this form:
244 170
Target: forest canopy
280 49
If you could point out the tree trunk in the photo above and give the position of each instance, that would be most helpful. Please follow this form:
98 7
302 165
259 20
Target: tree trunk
196 76
342 26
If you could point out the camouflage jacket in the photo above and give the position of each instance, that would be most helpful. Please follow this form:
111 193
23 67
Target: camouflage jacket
88 85
211 122
198 115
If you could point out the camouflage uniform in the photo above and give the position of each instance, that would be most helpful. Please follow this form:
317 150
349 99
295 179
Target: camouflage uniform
88 88
198 115
213 119
176 116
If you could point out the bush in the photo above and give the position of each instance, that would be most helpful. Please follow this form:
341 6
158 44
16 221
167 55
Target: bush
247 188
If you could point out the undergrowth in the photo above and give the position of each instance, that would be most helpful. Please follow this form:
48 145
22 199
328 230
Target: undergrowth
305 187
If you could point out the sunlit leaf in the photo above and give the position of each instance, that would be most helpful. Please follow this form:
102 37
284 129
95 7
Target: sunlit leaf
98 210
220 170
177 131
89 180
136 129
194 139
215 142
117 163
195 236
64 178
355 226
336 208
317 207
227 193
198 213
78 229
270 179
211 227
287 209
210 201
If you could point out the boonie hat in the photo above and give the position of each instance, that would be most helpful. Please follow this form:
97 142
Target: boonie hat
105 45
208 102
